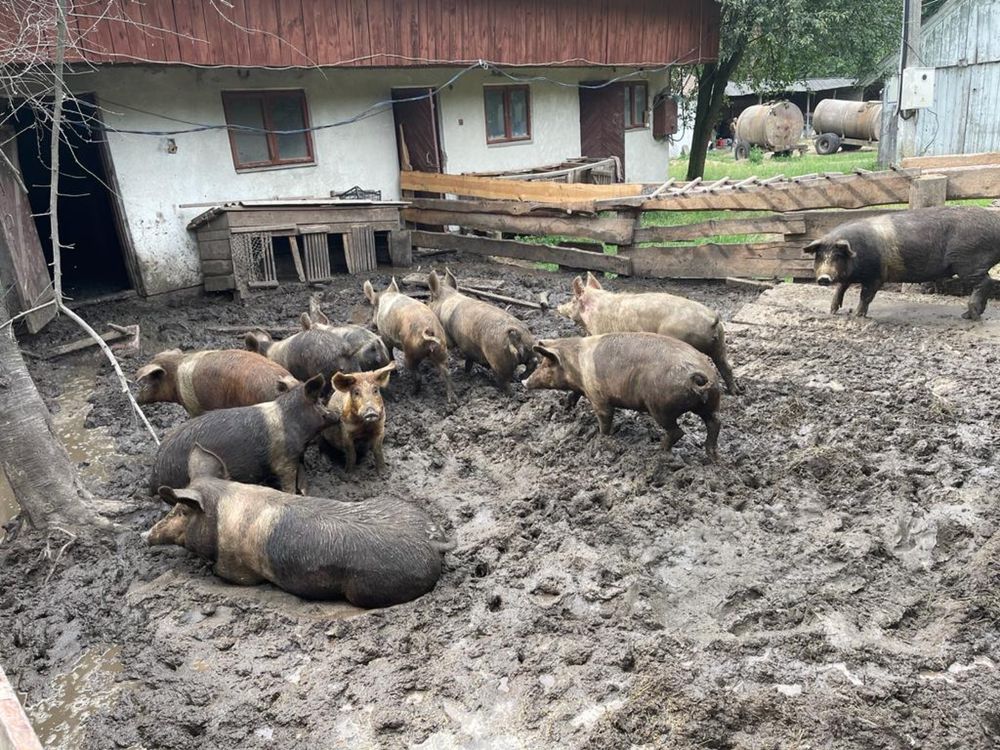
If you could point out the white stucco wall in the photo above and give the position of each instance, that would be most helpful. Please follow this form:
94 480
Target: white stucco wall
647 159
155 183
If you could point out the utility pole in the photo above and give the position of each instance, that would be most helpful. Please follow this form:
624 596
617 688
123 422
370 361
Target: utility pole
907 120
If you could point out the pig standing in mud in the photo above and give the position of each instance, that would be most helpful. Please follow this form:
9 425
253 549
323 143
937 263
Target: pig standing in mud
321 348
207 380
408 324
483 333
373 554
357 399
641 371
911 246
599 311
258 443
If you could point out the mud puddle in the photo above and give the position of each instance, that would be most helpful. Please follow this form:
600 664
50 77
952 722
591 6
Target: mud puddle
8 505
88 448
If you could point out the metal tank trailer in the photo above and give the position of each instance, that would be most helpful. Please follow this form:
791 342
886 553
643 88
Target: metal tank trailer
848 125
775 126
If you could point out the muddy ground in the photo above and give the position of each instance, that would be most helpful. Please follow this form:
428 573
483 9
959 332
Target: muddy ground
832 582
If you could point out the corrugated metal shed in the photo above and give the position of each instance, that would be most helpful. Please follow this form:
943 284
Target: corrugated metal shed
962 41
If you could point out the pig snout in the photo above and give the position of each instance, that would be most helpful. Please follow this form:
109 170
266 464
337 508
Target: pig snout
371 415
145 536
824 279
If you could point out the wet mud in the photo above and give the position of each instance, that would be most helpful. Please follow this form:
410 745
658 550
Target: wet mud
832 582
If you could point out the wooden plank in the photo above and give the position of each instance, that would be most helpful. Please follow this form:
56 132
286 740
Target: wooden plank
972 182
951 160
212 235
563 256
216 267
16 731
401 248
819 223
713 261
491 187
293 245
511 208
777 224
616 231
311 215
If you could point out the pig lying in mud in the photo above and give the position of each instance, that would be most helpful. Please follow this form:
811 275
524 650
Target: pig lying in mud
357 400
373 554
641 371
321 348
207 380
599 311
408 324
259 444
911 246
483 333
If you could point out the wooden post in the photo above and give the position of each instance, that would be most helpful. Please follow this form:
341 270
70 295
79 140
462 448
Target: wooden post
928 190
906 134
400 248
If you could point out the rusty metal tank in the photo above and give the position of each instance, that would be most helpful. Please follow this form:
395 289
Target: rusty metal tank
860 120
775 126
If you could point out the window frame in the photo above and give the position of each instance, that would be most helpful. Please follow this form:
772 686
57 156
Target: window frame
630 100
508 136
274 160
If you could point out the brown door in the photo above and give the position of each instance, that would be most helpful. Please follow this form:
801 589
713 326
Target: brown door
414 111
602 121
22 262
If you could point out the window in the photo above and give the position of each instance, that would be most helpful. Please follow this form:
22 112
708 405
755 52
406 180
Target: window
508 113
268 111
635 105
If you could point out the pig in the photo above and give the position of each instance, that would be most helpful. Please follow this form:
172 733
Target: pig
260 443
321 348
483 333
408 324
207 380
599 311
910 246
357 399
373 554
646 372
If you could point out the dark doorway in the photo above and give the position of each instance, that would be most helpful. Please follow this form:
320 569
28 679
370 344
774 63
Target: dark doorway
418 142
93 256
602 121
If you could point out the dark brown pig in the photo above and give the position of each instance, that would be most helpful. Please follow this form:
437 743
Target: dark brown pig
375 553
483 333
260 444
207 380
599 311
642 371
408 324
911 246
357 400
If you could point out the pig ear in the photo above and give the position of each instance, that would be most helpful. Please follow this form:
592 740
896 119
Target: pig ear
343 382
190 498
812 247
547 352
433 283
449 279
314 387
370 294
382 374
393 286
151 371
203 463
305 321
577 286
844 248
592 281
255 341
317 315
285 384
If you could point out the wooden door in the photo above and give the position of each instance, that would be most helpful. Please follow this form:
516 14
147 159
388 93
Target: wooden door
602 121
22 262
418 141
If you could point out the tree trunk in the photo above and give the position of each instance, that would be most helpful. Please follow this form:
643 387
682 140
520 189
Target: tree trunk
44 480
711 91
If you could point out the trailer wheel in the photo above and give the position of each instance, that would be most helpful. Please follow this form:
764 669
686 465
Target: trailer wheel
828 143
850 147
741 151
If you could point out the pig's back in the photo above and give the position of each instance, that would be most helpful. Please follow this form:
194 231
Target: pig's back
236 377
656 312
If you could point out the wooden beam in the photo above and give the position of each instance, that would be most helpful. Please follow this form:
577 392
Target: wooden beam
972 182
712 261
818 223
492 187
615 231
951 160
776 224
928 190
563 256
512 208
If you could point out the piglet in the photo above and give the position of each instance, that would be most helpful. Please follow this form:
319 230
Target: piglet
260 444
357 400
207 380
374 553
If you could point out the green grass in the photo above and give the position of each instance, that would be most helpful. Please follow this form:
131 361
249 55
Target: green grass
721 164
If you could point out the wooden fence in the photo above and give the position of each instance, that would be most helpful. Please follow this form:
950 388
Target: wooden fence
584 219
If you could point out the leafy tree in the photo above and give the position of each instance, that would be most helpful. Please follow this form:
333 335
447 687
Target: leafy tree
771 43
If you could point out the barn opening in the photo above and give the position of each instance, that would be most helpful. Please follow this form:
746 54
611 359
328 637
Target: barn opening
93 257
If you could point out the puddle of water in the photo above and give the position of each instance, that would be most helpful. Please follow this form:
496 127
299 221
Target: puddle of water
8 505
58 719
85 446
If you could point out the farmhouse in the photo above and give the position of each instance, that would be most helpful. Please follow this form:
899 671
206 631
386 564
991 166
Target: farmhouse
182 106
